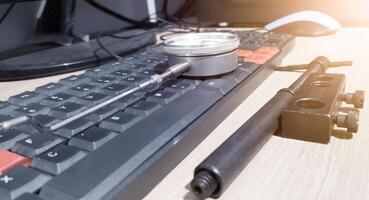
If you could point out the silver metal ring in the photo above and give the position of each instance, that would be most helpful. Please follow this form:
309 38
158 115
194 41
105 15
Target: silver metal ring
201 44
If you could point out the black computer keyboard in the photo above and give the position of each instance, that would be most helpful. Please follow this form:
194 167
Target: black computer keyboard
122 150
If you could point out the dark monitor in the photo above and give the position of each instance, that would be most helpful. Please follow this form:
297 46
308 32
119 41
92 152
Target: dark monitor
45 37
18 23
261 12
25 20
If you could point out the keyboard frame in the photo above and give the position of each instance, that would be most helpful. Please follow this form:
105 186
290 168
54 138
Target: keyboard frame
154 169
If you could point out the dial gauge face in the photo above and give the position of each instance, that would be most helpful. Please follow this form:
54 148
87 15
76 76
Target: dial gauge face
201 44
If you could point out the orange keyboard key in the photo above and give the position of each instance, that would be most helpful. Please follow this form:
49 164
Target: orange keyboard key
273 50
8 160
257 58
244 52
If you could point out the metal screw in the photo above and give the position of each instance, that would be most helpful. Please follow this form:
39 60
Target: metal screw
349 121
357 98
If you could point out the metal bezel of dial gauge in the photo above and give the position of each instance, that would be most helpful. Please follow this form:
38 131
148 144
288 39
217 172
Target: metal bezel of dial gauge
201 44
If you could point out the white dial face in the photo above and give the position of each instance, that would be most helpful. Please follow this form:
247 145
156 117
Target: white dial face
198 44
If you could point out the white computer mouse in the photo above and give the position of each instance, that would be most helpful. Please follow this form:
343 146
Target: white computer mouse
305 23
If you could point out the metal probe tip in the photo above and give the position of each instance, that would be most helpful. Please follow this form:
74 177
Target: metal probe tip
5 125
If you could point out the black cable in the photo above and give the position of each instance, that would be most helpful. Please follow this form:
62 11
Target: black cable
7 12
105 48
183 9
116 15
102 46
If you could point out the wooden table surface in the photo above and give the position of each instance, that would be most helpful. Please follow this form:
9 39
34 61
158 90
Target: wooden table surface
284 169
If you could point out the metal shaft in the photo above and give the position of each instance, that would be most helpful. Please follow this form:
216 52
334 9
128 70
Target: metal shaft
13 122
219 170
302 67
171 72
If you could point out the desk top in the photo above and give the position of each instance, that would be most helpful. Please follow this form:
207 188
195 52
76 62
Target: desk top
284 168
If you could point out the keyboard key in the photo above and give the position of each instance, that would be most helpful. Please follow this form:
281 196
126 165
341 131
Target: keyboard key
10 137
121 73
92 138
9 160
132 80
238 75
81 90
45 120
163 97
25 98
28 128
31 110
116 64
36 144
74 80
99 71
6 107
146 73
29 196
66 110
74 127
143 108
221 85
93 98
57 159
120 121
191 82
244 52
57 99
51 89
125 153
148 61
126 101
20 180
102 81
102 113
136 66
180 86
248 67
114 89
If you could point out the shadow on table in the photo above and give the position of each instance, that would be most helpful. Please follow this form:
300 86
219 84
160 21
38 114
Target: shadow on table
342 134
189 195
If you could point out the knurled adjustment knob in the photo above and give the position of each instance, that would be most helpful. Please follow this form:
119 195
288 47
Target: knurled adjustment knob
349 121
357 98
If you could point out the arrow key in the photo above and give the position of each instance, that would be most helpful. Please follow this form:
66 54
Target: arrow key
20 180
